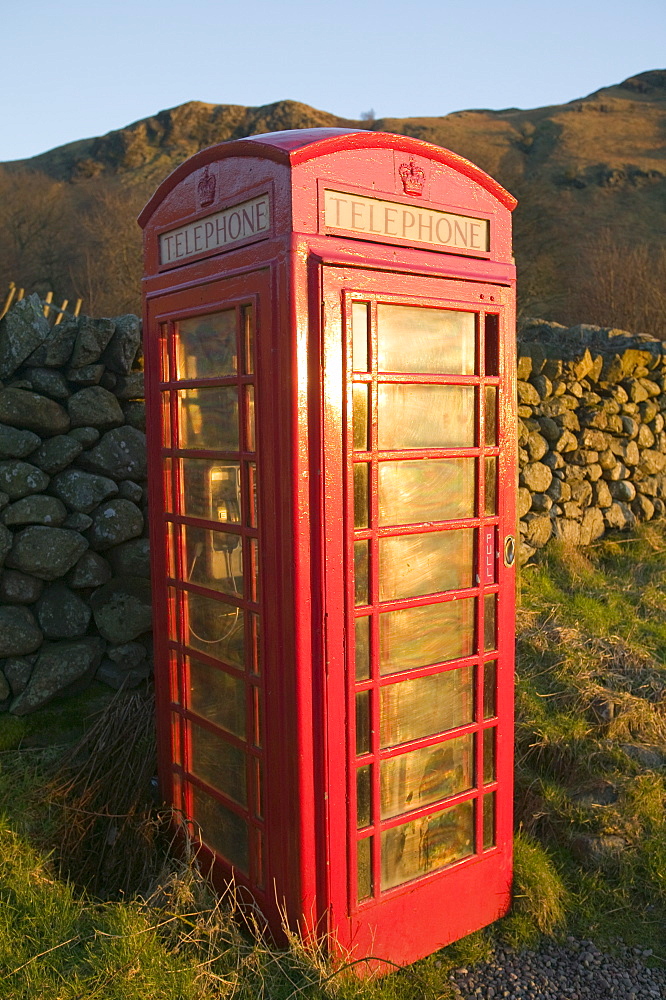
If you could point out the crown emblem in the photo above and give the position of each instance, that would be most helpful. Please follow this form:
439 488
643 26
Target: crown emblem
413 178
206 189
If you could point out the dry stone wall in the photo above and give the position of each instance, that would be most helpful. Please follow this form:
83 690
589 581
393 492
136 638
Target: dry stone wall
74 561
591 432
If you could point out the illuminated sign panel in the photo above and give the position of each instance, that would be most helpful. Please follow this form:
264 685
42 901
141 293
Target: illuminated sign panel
238 224
377 219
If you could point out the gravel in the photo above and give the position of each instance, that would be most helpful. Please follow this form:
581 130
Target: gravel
576 970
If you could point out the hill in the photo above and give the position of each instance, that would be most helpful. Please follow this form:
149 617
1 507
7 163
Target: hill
590 176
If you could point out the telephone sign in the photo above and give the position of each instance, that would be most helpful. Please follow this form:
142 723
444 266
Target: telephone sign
329 339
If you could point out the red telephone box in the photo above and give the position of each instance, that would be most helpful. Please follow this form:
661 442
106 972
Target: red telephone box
329 338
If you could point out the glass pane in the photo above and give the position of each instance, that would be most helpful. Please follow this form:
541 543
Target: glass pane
210 489
492 344
258 857
424 845
364 868
420 777
208 418
426 416
217 696
218 763
259 789
489 689
252 487
172 534
206 346
361 471
166 420
413 565
362 648
361 572
360 420
248 339
439 489
425 706
489 821
213 559
363 796
491 415
256 717
416 637
363 722
489 621
420 339
221 829
254 569
164 352
249 402
255 664
215 628
360 336
491 486
488 755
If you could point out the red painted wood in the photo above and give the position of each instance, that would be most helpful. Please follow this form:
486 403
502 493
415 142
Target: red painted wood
299 277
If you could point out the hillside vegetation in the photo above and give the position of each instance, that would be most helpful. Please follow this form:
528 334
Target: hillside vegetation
590 821
590 176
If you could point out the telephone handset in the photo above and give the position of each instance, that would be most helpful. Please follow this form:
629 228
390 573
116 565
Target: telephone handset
225 504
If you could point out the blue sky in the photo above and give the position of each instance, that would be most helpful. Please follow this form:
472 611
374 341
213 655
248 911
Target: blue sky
72 69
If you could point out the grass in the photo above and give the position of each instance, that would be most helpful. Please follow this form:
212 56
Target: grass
590 849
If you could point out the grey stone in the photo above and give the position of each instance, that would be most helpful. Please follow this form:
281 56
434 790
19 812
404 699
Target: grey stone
47 553
6 542
108 380
92 570
539 529
536 477
56 349
643 508
622 490
541 502
5 690
130 491
645 437
15 443
543 386
630 426
566 530
524 368
601 495
649 757
121 454
91 340
550 430
127 655
17 671
61 613
19 588
651 462
58 666
130 386
114 521
553 460
594 472
524 501
593 440
637 392
86 376
33 412
619 471
82 491
116 677
122 609
619 516
659 507
56 453
527 394
559 490
131 558
572 510
20 479
536 446
48 382
567 442
597 793
124 344
583 456
607 460
598 851
22 331
95 407
135 414
77 521
86 435
39 509
19 632
592 526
